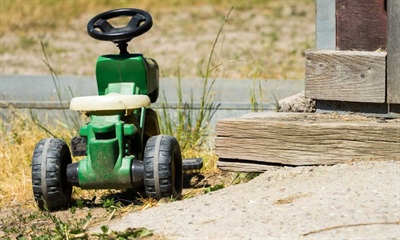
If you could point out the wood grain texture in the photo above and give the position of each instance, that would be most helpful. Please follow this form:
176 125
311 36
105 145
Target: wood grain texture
393 49
346 76
305 139
361 25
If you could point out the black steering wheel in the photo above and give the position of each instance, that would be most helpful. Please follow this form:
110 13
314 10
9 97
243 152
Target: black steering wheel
140 23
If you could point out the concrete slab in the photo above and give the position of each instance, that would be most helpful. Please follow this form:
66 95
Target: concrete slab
233 96
357 200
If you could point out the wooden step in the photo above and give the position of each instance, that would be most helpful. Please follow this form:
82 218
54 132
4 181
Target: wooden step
256 142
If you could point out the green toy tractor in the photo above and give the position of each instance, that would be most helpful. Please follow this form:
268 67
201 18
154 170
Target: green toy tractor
122 144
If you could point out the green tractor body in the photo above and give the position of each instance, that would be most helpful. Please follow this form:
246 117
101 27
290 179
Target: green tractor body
108 161
110 153
121 144
113 139
127 68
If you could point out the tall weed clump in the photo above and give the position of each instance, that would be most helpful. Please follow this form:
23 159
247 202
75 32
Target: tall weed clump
19 134
190 124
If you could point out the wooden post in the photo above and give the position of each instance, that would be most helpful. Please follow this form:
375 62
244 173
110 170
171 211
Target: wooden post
393 49
358 76
361 25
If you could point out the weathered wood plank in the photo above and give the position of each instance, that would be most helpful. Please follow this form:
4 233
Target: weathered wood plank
305 139
361 25
393 56
346 76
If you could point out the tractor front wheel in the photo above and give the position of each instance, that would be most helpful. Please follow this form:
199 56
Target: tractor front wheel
49 174
163 174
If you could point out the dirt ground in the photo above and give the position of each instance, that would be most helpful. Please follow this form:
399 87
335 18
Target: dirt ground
93 208
266 41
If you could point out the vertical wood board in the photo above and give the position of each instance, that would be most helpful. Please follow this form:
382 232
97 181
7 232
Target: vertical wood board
346 76
361 25
393 49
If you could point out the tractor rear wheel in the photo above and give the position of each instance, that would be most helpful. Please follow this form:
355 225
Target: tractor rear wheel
163 174
51 189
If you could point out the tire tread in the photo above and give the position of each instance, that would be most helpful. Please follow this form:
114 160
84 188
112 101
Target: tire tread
57 152
168 147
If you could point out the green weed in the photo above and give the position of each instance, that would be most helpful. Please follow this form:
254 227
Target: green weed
214 188
130 233
111 205
41 225
45 225
256 101
73 120
243 177
191 128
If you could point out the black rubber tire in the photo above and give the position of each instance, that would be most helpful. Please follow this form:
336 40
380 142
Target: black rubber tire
51 189
163 174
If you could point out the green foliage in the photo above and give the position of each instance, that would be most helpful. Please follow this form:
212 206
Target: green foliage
45 225
79 203
73 120
104 228
243 177
256 102
110 204
189 127
214 188
130 233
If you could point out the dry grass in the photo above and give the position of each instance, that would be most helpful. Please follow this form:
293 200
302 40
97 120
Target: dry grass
19 135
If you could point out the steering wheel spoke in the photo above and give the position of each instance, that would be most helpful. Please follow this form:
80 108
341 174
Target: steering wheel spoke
136 21
104 25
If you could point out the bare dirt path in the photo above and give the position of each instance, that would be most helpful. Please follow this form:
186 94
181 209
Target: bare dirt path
359 200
